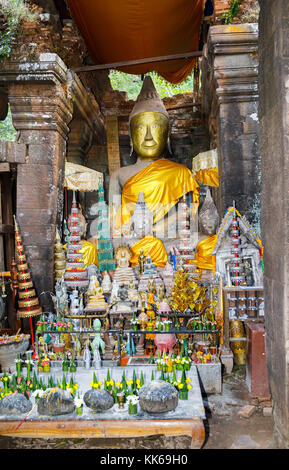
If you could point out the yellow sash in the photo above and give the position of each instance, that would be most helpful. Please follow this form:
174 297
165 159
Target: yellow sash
162 183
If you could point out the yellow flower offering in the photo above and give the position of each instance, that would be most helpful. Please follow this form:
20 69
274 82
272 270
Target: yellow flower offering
189 387
180 386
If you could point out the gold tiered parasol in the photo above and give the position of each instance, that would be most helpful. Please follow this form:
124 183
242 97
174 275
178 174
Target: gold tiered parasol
28 303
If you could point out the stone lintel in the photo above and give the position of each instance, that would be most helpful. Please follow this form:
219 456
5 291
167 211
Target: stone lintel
48 69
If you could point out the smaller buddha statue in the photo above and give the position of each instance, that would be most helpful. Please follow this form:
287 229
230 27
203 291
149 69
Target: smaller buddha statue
123 303
161 293
133 294
95 297
106 283
124 272
152 285
141 262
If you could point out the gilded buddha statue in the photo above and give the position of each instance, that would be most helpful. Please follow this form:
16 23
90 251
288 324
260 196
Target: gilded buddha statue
161 181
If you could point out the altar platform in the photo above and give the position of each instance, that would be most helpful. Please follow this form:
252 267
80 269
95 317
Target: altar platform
186 419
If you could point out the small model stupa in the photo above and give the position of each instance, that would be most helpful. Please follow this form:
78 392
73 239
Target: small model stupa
75 274
186 252
236 268
59 257
28 303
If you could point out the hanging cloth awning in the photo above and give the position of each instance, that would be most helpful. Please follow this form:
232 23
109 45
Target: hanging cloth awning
80 178
124 30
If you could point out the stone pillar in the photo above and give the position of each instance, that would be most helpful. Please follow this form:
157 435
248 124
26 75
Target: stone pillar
274 146
41 110
230 101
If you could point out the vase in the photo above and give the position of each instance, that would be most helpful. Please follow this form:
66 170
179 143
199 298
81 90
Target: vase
183 394
132 409
167 327
79 410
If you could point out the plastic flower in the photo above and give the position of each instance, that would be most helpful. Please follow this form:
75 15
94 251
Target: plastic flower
94 385
78 402
118 385
132 399
189 387
188 380
129 382
38 393
180 386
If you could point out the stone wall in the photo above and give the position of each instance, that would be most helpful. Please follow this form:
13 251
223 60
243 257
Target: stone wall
274 145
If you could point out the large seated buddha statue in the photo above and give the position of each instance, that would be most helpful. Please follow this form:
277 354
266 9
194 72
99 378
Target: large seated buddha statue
161 182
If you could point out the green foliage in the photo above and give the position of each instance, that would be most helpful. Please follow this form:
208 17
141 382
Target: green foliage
13 12
7 131
229 15
132 84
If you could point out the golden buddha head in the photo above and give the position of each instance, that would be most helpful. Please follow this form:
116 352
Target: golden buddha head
149 123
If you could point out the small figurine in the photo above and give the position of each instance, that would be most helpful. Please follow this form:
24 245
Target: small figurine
141 262
97 343
86 356
96 359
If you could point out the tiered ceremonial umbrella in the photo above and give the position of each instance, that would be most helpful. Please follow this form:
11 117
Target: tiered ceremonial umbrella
28 303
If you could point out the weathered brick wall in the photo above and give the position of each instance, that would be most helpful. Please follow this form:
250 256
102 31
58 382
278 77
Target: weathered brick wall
274 144
247 12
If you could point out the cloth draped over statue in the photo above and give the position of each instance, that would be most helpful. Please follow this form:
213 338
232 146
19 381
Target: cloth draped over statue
205 168
162 183
152 246
89 252
124 30
203 258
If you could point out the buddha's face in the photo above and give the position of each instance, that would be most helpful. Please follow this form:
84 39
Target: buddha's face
208 223
149 133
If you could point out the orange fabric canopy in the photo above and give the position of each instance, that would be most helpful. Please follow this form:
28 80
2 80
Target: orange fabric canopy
123 30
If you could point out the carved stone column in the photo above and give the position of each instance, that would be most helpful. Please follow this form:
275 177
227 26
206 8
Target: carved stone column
41 110
230 101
